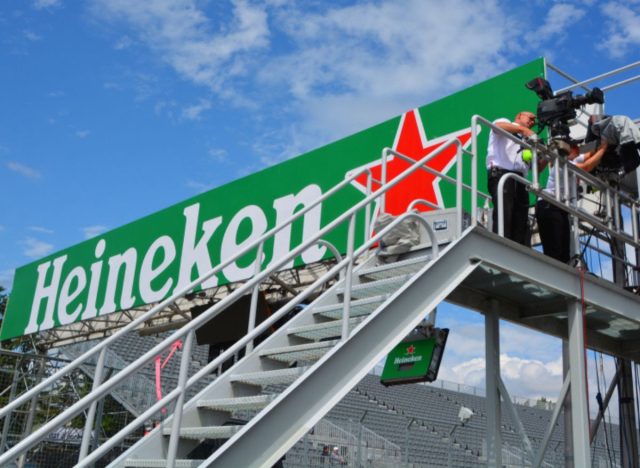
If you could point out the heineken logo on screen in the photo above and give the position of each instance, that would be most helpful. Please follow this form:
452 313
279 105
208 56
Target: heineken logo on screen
149 259
409 356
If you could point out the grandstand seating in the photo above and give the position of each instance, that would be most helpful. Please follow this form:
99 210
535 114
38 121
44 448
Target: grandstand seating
388 411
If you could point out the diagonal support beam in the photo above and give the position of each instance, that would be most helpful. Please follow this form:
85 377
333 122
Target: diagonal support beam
514 416
552 423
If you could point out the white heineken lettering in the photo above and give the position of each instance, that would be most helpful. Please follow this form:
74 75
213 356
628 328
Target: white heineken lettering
94 283
69 293
196 254
230 245
285 208
148 273
128 259
406 360
62 293
49 293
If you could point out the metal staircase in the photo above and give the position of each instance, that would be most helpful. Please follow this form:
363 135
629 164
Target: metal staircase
307 349
322 352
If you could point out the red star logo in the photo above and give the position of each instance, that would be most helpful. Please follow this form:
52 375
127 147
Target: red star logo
412 142
411 349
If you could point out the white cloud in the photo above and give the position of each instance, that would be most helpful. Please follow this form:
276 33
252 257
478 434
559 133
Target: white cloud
218 154
34 248
199 186
622 28
194 111
559 17
187 40
44 4
82 134
123 43
355 66
32 36
1 227
528 378
93 231
41 229
23 170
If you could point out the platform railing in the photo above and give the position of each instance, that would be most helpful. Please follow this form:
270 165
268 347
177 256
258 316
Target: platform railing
609 223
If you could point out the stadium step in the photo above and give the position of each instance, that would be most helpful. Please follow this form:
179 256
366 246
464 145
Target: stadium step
306 352
273 377
161 463
205 432
358 307
325 330
388 270
378 287
237 404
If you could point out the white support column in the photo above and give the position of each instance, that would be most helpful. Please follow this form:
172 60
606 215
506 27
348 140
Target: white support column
492 358
579 405
568 431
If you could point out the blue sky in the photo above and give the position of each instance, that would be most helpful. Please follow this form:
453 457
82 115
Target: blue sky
112 109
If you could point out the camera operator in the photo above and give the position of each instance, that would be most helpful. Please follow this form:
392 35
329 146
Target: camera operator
553 222
504 156
619 136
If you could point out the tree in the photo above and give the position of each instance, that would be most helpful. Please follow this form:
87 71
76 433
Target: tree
3 302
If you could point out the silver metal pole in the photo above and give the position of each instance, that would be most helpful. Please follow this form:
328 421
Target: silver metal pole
177 413
383 182
254 297
361 422
459 191
367 211
492 369
32 413
88 424
406 443
579 404
474 171
346 306
12 395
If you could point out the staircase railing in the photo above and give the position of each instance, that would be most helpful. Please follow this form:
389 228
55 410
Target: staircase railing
101 389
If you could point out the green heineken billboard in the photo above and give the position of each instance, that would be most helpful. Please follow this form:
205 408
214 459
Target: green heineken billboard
147 260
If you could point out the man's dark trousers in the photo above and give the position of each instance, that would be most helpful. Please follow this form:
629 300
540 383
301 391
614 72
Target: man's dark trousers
555 232
516 207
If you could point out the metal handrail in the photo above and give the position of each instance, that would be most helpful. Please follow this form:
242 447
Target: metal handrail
568 172
171 299
101 390
264 326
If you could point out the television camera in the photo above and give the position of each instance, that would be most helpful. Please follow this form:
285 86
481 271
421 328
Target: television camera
555 112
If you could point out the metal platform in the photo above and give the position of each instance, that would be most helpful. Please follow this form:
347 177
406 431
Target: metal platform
532 290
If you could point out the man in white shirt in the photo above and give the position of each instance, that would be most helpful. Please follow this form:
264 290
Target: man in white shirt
504 156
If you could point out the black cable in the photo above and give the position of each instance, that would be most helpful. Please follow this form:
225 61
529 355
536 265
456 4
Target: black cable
608 436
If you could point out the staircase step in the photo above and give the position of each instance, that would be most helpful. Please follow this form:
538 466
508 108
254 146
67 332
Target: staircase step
148 463
359 307
237 404
378 287
388 270
306 352
205 432
321 331
273 377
